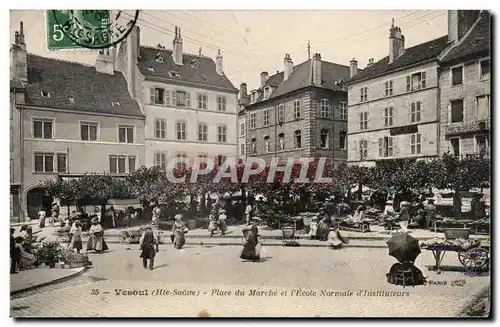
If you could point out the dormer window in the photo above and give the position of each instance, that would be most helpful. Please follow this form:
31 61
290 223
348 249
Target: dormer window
253 97
71 100
115 103
45 94
151 69
267 92
159 57
174 74
194 63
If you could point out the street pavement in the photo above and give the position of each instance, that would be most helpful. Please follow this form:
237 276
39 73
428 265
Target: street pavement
214 274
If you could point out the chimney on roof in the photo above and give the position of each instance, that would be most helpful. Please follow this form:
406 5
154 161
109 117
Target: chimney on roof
18 57
288 67
177 47
264 76
396 43
459 22
316 69
354 67
243 91
218 63
370 62
132 57
105 62
138 31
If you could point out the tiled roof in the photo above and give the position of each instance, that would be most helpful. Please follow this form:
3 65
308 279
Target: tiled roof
194 69
301 77
477 41
419 53
92 91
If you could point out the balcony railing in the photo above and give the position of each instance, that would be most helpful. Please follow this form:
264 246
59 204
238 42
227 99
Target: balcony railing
469 127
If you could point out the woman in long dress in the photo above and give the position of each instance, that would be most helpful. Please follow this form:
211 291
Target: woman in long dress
26 260
76 237
178 231
96 240
213 224
323 227
222 222
313 228
250 249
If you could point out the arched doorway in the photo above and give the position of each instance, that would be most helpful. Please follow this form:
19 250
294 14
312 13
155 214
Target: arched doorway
36 200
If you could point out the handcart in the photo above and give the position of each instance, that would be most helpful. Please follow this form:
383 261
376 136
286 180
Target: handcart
132 236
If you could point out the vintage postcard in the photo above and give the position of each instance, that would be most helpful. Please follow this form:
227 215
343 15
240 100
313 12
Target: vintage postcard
259 163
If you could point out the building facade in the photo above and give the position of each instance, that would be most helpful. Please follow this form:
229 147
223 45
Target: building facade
243 100
465 85
68 119
299 112
394 104
189 103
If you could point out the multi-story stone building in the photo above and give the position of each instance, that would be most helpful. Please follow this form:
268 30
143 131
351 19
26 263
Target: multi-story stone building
394 104
67 119
299 112
465 84
189 103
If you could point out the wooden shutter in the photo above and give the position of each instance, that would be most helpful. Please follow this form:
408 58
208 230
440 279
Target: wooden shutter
408 83
152 95
174 98
422 80
188 100
166 97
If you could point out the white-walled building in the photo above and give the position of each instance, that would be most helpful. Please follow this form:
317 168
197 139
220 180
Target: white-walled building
189 103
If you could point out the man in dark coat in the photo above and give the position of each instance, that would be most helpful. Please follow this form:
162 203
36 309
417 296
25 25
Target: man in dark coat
15 253
148 243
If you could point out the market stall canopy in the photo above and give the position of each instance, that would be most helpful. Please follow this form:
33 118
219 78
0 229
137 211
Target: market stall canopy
125 203
403 247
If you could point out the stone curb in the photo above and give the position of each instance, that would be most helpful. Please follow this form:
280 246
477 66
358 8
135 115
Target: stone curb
25 223
52 282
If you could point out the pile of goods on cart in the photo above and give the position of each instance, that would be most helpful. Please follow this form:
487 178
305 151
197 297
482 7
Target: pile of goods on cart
450 245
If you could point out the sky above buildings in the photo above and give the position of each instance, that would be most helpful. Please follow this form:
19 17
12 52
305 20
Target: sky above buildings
255 41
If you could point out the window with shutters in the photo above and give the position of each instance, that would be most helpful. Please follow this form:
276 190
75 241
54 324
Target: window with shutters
119 164
202 157
483 107
342 140
126 134
202 132
254 146
242 129
158 96
220 159
388 116
88 131
43 128
267 147
363 149
457 111
457 75
183 99
484 69
49 162
324 138
297 109
363 120
221 133
324 108
265 113
242 149
482 145
298 139
202 101
221 103
160 128
415 112
385 147
161 160
389 90
363 94
181 160
281 113
281 141
343 110
416 82
416 143
253 120
180 130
